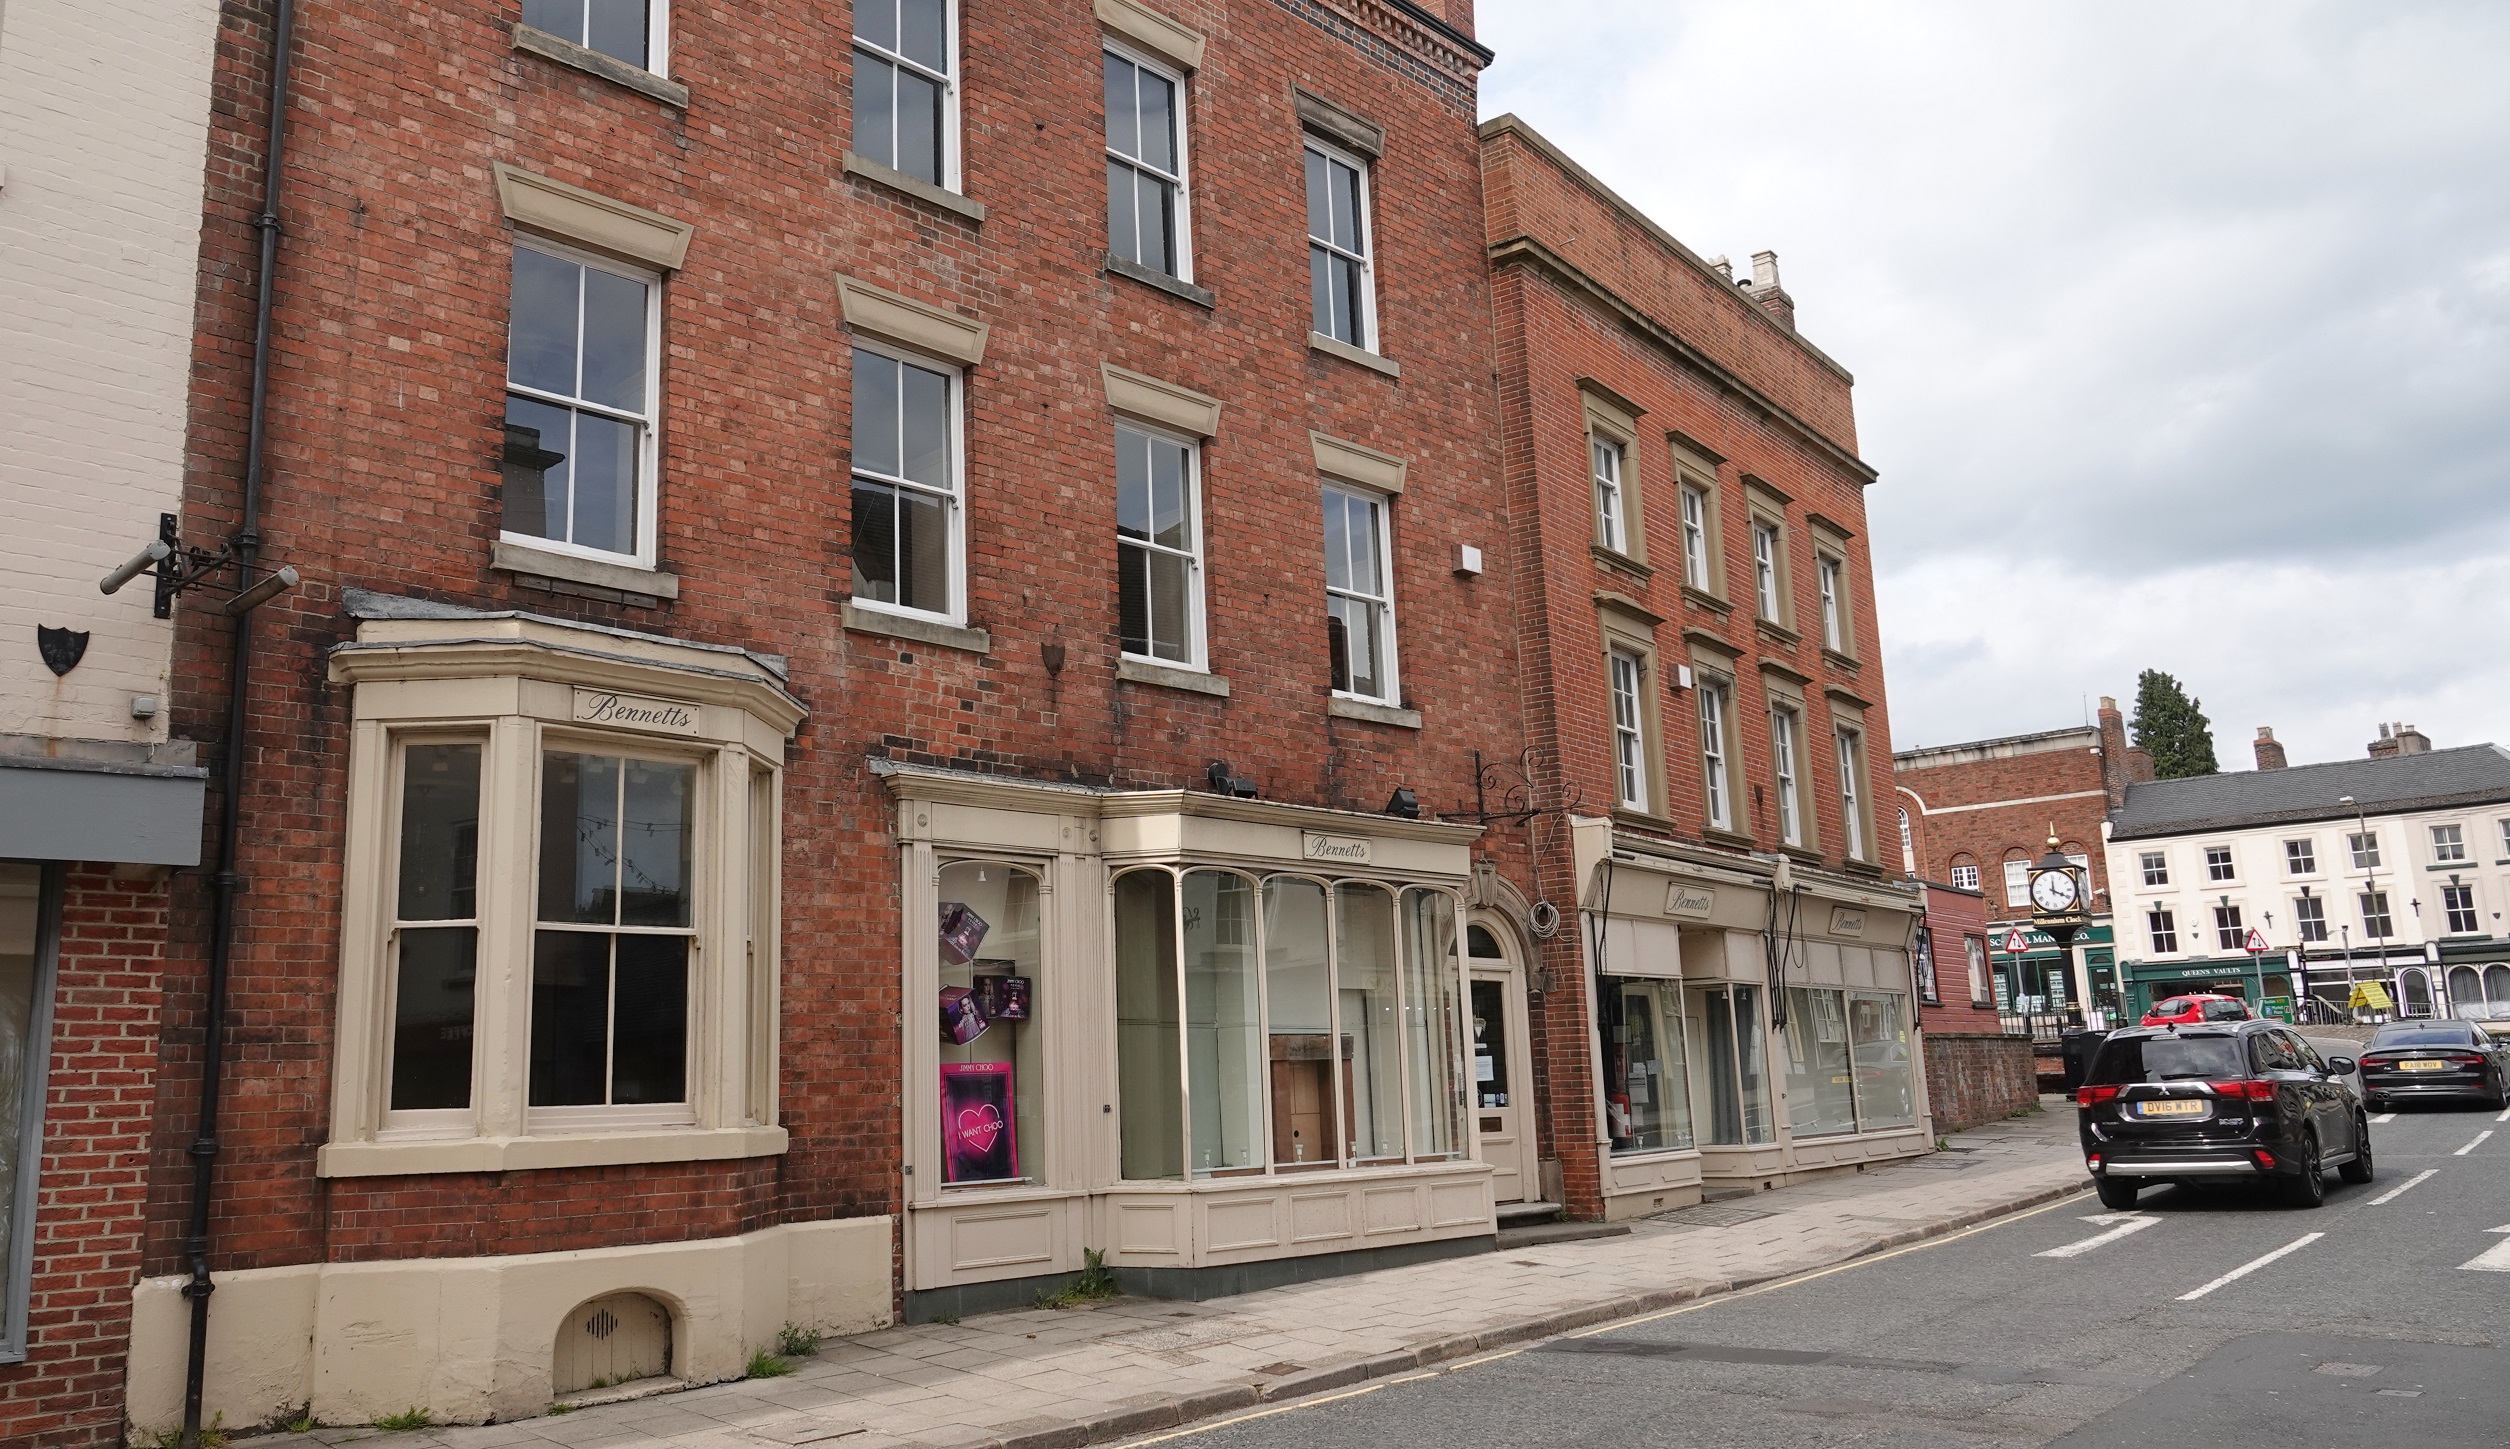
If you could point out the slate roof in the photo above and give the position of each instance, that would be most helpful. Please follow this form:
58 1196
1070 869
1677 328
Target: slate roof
2438 780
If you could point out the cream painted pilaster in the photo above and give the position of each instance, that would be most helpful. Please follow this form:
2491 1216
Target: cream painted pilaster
365 1001
501 1063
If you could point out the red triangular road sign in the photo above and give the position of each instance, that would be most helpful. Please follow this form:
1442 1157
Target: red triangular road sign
2256 943
2015 945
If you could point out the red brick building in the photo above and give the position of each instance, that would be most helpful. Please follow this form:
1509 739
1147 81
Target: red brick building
1705 698
1034 469
1976 1070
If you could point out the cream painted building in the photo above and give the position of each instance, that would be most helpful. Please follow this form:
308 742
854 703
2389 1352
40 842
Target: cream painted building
2275 882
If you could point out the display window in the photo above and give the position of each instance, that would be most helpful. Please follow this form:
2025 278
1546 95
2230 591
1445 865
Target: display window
1732 1062
1878 1033
1848 1065
992 1081
1647 1093
1283 1024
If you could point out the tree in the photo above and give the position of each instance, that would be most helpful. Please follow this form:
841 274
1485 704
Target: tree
2172 728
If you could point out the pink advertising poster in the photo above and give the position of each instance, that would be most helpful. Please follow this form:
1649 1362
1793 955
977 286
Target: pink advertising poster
978 1141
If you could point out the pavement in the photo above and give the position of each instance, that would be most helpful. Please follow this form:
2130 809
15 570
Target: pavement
1052 1379
2201 1319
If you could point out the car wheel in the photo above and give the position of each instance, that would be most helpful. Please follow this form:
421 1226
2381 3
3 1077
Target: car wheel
2118 1194
2359 1169
2310 1188
2500 1098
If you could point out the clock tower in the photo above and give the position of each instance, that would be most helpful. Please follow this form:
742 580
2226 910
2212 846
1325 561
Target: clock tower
2060 896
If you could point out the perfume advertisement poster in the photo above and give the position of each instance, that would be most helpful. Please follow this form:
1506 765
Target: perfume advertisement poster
978 1141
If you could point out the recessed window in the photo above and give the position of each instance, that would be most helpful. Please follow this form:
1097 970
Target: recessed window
905 98
2365 849
1833 618
1339 277
1695 555
1158 547
1712 751
1786 764
1359 594
2300 857
906 485
1851 791
2018 881
2376 920
2218 865
2458 903
2228 933
629 30
2448 844
2156 867
1629 730
1146 196
1765 569
1611 528
580 403
2309 918
1965 876
610 953
2164 928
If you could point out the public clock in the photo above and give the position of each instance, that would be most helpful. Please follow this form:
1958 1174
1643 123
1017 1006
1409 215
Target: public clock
2056 891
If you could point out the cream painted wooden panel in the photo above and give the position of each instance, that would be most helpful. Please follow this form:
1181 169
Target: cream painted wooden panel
1022 1237
612 1339
1319 1217
1149 1227
1654 1173
1391 1209
1459 1204
1242 1223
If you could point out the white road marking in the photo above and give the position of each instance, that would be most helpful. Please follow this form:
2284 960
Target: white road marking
2251 1266
2495 1259
2478 1142
2126 1224
2399 1190
2385 1117
2505 1115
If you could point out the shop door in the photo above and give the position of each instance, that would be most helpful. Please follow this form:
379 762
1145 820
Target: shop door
1503 1097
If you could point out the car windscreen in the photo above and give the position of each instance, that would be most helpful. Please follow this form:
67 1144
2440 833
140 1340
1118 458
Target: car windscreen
2225 1011
2167 1059
2414 1036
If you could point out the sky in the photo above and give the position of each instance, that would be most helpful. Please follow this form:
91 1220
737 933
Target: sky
2181 332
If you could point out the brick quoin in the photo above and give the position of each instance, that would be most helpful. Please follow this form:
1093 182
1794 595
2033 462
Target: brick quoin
91 1204
385 431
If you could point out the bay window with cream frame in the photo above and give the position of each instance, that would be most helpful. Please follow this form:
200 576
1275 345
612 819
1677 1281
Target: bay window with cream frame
559 908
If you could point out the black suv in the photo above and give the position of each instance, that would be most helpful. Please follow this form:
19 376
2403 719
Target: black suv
2217 1102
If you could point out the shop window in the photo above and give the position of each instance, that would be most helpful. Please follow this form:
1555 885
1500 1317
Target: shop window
1821 1088
29 918
610 956
1878 1030
993 1090
435 933
2497 982
1727 1042
1647 1092
1347 1053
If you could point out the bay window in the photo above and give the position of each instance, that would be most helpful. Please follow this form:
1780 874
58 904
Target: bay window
435 930
1283 1024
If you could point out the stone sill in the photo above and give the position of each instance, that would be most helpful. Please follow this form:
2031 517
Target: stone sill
522 1154
1168 676
1733 838
1358 356
1644 820
1384 714
1838 660
593 62
1706 600
1615 558
972 212
1175 287
859 620
521 558
1780 632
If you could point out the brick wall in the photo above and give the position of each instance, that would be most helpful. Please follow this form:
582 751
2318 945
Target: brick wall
90 1206
1986 803
1587 292
1975 1079
385 431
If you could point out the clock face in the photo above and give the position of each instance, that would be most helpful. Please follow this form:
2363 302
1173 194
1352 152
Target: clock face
2054 890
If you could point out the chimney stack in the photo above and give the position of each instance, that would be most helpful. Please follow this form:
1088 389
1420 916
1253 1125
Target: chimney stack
1722 267
2140 767
2269 750
2411 741
1766 291
2113 752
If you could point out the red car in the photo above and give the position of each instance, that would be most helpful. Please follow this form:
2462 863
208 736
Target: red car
2181 1010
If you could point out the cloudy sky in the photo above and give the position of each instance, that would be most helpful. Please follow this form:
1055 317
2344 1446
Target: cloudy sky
2181 331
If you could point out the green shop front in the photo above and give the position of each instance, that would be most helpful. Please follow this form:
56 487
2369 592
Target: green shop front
2265 981
2041 980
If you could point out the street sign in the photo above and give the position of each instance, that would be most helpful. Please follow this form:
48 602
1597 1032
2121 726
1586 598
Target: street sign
2372 994
2014 944
2255 945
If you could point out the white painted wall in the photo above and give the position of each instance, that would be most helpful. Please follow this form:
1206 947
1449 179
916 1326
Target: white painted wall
104 116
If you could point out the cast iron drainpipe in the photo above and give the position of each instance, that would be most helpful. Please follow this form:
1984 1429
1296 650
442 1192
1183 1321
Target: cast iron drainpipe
228 883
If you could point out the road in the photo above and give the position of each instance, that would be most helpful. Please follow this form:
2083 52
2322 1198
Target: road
2205 1318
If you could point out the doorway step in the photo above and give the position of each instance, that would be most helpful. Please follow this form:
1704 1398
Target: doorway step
1533 1224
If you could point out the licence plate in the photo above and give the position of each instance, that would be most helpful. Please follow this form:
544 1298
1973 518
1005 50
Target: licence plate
2168 1109
2422 1064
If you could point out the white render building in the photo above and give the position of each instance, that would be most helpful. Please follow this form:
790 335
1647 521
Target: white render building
2284 882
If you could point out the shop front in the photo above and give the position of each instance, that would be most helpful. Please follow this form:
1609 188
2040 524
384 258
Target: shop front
2084 986
2265 982
1220 1043
1746 1035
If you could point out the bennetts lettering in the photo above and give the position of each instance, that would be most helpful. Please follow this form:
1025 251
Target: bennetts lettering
605 708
